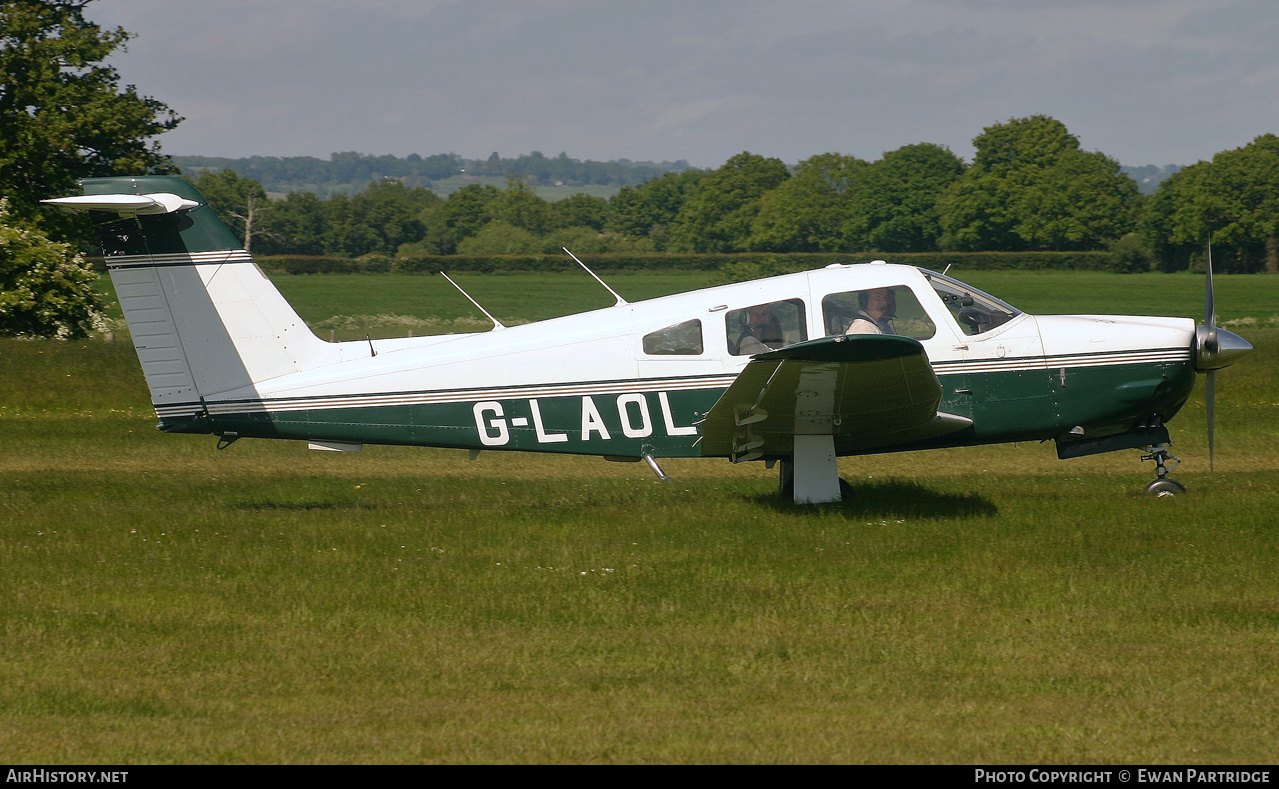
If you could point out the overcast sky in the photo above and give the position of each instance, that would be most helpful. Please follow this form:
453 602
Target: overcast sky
1144 81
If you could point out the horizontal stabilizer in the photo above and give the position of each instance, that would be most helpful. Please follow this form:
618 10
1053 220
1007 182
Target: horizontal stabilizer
155 203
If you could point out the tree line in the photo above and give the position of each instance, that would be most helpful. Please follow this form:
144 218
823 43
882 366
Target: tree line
1030 187
350 172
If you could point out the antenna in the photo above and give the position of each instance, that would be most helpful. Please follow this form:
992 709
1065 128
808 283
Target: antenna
496 323
620 301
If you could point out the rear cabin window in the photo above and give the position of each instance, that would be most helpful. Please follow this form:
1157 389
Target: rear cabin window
892 310
764 327
682 339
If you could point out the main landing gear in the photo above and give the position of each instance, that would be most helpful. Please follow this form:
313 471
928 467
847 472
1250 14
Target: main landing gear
810 476
1164 462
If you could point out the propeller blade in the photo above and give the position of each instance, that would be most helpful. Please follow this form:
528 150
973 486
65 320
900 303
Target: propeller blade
1210 309
1209 397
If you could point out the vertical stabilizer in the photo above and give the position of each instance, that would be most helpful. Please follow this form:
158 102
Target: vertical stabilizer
203 317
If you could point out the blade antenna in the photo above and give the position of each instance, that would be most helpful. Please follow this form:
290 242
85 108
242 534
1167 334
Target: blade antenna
497 325
621 302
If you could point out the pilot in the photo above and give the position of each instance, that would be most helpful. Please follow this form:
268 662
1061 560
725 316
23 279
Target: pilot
762 331
878 307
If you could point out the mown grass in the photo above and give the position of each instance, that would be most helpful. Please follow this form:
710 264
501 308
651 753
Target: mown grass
166 602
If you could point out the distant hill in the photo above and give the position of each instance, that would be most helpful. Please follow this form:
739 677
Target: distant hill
1148 176
350 172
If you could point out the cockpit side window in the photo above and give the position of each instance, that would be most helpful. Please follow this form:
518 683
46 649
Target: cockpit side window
763 327
890 310
975 312
682 339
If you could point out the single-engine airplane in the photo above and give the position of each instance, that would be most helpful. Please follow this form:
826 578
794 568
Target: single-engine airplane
794 370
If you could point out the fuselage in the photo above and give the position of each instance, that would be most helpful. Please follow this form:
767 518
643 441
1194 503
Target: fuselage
636 379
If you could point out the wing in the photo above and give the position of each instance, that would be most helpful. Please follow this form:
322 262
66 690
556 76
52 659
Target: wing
869 391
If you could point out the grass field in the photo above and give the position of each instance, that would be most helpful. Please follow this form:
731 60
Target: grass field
165 602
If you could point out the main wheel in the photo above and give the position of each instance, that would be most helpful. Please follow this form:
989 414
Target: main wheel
1165 487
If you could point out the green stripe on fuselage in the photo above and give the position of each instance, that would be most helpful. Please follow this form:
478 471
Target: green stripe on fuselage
1015 405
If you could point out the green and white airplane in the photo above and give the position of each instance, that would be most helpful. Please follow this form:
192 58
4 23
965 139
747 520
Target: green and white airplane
795 370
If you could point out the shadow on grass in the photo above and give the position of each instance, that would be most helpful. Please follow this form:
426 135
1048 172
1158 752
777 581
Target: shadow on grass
892 498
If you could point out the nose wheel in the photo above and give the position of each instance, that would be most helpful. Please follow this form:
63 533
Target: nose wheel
1165 461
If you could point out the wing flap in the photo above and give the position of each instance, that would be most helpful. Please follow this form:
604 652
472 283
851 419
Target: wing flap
868 391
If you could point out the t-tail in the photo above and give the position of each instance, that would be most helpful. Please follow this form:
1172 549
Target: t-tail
204 318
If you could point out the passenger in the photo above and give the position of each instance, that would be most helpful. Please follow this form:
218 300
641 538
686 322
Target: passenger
878 307
762 331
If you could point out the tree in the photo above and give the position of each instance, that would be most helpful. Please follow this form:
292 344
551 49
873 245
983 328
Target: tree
894 207
500 237
448 223
379 219
1031 187
236 200
294 225
717 216
520 206
807 212
45 290
65 117
581 210
649 210
1232 200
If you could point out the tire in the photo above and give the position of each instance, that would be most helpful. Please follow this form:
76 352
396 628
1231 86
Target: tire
1165 487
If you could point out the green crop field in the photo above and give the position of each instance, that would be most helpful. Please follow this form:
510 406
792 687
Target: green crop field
163 601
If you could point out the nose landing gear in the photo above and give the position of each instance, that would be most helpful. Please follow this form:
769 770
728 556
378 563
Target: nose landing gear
1165 461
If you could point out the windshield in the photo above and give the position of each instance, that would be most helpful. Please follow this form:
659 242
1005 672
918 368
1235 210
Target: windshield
975 311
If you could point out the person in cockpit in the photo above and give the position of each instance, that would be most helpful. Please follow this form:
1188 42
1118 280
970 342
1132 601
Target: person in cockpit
762 331
877 307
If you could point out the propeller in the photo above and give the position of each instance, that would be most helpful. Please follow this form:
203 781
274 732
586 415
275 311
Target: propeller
1214 349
